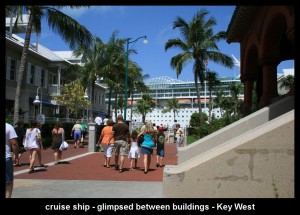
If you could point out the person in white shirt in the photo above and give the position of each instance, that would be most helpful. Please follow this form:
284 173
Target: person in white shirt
98 120
10 143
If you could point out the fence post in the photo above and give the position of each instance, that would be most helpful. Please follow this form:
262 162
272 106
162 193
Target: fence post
92 136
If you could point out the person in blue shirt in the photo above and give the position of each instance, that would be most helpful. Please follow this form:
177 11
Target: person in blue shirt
148 144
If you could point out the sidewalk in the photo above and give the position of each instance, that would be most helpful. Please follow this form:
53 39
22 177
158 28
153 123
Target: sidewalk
82 175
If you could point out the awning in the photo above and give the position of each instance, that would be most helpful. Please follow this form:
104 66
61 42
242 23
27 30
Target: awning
202 101
44 101
184 101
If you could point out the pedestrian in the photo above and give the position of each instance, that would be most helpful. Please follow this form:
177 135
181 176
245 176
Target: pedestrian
58 136
106 144
20 131
134 152
84 131
77 134
39 152
178 135
32 138
174 129
160 147
11 144
120 133
148 144
98 120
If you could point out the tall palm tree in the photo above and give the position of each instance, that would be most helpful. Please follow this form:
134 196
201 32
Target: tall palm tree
212 80
199 44
172 105
69 29
92 57
135 82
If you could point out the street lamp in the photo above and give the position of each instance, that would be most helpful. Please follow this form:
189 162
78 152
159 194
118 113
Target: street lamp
126 78
37 99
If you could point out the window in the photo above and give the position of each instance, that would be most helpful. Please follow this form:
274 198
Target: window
32 74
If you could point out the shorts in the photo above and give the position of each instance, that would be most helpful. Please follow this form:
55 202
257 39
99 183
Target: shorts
146 150
160 152
9 171
77 135
120 148
107 149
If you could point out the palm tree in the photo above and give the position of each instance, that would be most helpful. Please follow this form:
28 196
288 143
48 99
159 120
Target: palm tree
219 99
135 82
287 81
212 80
144 106
199 44
172 105
235 90
69 29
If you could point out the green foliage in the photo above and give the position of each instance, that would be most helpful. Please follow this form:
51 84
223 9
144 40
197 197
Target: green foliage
194 121
205 129
73 98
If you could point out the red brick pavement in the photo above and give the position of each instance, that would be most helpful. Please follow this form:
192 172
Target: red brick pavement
90 167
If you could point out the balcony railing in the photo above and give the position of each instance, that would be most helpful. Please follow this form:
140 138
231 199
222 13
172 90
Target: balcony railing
53 90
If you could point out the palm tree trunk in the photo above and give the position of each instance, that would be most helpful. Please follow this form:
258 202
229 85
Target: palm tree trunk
109 101
210 105
198 97
22 68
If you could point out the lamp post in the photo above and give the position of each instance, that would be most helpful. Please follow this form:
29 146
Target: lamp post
86 96
37 99
126 77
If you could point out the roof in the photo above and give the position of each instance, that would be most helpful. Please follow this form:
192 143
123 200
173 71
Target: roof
40 50
240 19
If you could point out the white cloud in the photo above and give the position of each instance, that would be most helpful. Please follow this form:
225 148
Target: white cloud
78 12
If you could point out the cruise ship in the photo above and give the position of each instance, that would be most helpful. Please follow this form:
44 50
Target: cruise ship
163 88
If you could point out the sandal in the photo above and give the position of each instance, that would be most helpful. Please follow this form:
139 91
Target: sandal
120 170
131 169
31 171
108 166
157 165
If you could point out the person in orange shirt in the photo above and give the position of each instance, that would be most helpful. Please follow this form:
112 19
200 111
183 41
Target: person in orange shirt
105 144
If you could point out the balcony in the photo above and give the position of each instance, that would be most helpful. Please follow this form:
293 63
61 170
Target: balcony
54 91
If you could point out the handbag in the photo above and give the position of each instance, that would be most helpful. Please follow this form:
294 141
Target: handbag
140 140
63 146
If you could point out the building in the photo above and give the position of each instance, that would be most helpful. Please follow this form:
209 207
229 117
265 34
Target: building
44 77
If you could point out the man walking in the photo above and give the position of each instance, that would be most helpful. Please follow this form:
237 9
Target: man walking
120 133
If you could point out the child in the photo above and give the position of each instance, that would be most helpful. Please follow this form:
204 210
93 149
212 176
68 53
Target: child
134 152
160 150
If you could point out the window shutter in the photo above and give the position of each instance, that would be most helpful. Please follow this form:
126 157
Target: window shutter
17 72
38 76
28 73
8 68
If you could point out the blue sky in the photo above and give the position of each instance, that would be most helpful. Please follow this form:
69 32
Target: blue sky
156 23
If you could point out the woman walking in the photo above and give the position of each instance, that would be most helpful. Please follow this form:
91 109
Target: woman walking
148 144
58 136
107 145
32 138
